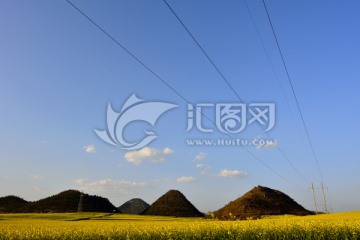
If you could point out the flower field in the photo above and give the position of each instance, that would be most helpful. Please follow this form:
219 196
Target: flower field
120 226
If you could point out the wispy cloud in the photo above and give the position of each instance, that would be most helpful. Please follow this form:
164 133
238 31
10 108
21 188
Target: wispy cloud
101 185
199 165
37 177
90 149
232 173
200 156
36 188
150 154
117 183
81 181
185 179
205 168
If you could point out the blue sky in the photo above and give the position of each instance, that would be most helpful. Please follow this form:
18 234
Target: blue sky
58 73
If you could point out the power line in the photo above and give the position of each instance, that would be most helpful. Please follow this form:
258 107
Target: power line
204 52
270 62
126 50
279 84
168 85
228 83
293 91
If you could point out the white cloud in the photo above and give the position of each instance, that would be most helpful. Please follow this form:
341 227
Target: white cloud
168 151
199 165
200 156
116 183
81 181
36 177
90 149
185 179
232 173
150 154
102 185
205 168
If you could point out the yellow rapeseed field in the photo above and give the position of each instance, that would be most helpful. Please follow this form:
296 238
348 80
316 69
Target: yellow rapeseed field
120 226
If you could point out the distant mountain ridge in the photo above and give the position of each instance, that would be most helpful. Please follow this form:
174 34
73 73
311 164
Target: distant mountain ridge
261 201
67 201
258 202
10 204
134 206
173 203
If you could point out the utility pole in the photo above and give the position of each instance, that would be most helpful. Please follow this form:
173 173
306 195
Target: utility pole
323 192
80 206
313 191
